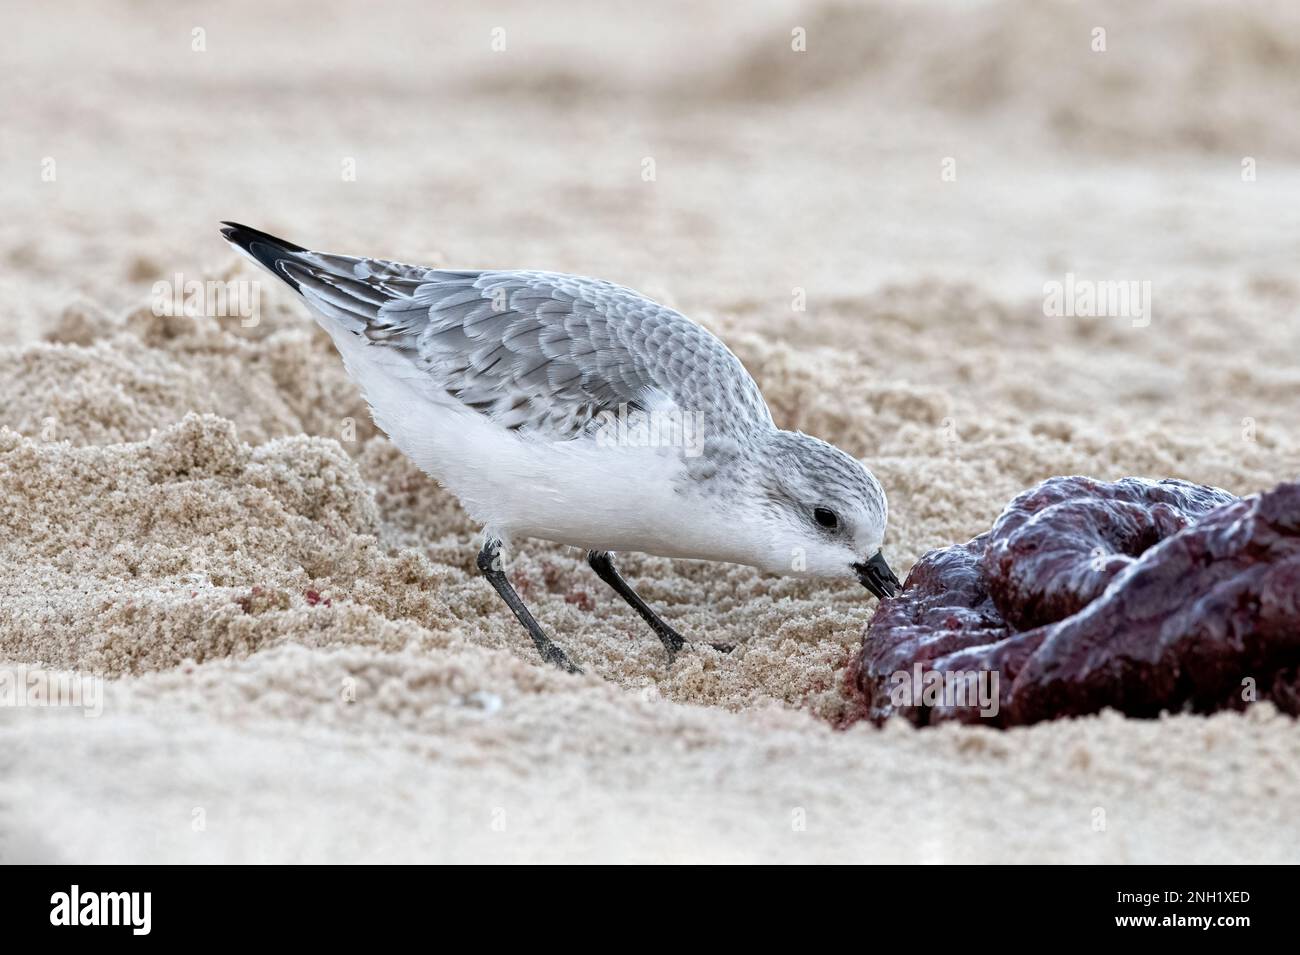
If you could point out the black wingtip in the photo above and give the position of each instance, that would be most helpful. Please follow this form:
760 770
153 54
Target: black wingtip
263 247
242 235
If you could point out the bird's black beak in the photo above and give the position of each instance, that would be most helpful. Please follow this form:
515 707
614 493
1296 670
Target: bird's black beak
877 577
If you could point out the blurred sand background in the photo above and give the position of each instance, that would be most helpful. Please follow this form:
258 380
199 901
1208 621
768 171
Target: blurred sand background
300 663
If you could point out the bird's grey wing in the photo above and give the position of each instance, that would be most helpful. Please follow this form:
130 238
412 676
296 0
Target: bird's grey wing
540 352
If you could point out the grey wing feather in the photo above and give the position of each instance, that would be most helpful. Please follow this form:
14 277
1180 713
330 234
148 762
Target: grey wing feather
540 352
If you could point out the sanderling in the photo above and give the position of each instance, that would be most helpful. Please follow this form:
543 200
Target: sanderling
577 411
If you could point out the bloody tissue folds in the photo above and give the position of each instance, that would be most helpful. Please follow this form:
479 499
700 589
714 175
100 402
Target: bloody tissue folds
1138 595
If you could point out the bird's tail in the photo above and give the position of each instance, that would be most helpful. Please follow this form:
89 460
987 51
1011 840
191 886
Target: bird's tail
266 250
369 297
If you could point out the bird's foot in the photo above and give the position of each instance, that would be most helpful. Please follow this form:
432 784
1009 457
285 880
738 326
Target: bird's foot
556 657
673 641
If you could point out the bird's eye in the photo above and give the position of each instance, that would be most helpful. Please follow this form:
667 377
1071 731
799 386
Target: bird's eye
826 518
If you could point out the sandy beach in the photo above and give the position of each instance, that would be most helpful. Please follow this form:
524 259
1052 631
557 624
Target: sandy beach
290 653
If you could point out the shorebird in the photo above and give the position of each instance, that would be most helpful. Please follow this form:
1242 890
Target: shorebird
578 411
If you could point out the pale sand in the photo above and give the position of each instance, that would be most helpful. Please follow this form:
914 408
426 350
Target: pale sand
171 490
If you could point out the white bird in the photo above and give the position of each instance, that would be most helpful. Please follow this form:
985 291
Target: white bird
577 411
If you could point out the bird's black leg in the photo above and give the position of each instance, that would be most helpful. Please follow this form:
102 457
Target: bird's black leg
489 563
603 564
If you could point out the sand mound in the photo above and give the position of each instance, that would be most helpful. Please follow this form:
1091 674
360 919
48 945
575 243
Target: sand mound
220 547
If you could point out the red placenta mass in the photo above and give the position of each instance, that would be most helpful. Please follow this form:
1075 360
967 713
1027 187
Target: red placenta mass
1136 595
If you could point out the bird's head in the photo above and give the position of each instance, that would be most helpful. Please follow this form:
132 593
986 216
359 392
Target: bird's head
825 512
